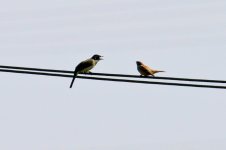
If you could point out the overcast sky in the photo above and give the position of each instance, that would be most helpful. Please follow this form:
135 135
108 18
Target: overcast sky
184 38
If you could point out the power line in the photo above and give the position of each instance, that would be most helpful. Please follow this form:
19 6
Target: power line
115 80
115 75
35 69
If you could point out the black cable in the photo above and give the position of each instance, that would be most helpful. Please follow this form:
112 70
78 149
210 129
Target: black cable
115 75
115 80
36 69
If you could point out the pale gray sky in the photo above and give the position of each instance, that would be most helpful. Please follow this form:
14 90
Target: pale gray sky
184 38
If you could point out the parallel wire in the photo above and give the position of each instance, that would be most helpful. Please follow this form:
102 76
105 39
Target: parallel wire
115 75
115 80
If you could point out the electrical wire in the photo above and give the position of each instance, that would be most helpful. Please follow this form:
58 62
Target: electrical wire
111 79
115 75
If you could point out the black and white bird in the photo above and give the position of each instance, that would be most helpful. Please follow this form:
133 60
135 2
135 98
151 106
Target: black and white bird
86 66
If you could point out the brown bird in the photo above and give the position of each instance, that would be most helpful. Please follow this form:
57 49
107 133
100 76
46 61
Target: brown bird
145 70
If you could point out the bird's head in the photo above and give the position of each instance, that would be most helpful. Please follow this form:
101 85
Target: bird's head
139 63
97 57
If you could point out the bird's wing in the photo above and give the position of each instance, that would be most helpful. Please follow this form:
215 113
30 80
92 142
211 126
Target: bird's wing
84 64
146 69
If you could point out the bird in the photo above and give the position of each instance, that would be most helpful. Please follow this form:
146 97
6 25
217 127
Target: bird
145 70
85 66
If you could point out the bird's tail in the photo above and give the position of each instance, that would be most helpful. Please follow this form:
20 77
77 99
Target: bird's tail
72 82
157 71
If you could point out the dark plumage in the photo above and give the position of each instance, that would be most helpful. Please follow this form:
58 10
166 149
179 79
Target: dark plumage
86 66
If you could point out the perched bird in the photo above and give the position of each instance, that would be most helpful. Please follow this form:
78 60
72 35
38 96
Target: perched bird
145 70
86 66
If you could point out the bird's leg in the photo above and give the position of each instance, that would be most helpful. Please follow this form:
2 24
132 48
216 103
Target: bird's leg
87 72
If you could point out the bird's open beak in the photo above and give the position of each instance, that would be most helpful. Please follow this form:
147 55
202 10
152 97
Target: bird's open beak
101 58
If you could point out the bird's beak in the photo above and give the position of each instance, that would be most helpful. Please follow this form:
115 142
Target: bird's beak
101 58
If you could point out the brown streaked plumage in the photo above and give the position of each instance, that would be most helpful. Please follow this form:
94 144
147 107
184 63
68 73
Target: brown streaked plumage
145 70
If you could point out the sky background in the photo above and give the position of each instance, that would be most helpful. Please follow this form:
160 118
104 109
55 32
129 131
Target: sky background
184 38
